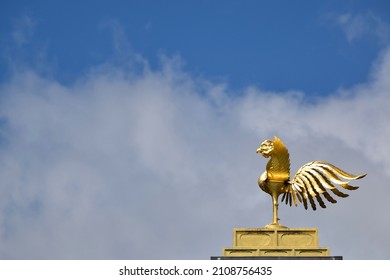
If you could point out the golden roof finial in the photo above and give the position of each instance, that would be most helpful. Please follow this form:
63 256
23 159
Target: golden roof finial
311 181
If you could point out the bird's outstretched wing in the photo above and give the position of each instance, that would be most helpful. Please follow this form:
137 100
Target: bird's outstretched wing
318 178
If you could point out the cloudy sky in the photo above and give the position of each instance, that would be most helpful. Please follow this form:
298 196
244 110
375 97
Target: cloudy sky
128 129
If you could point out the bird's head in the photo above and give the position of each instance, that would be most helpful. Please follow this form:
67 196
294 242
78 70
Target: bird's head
266 148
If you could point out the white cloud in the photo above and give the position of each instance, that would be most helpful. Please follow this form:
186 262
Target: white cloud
162 165
358 26
23 30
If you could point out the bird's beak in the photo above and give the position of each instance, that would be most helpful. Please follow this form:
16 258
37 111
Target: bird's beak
258 150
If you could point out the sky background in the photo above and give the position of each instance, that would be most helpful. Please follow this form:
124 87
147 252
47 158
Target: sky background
128 129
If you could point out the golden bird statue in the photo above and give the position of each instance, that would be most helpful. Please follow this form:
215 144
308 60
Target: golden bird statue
312 180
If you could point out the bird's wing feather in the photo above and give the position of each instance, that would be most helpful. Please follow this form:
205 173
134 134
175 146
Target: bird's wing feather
317 178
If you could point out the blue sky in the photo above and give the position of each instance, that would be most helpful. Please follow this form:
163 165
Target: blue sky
275 45
128 129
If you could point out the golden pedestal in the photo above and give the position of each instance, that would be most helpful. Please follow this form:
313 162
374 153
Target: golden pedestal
298 242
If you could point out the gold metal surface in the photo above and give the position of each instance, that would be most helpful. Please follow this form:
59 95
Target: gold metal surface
312 180
275 242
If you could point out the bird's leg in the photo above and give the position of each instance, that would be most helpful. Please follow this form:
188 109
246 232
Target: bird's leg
275 219
274 191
